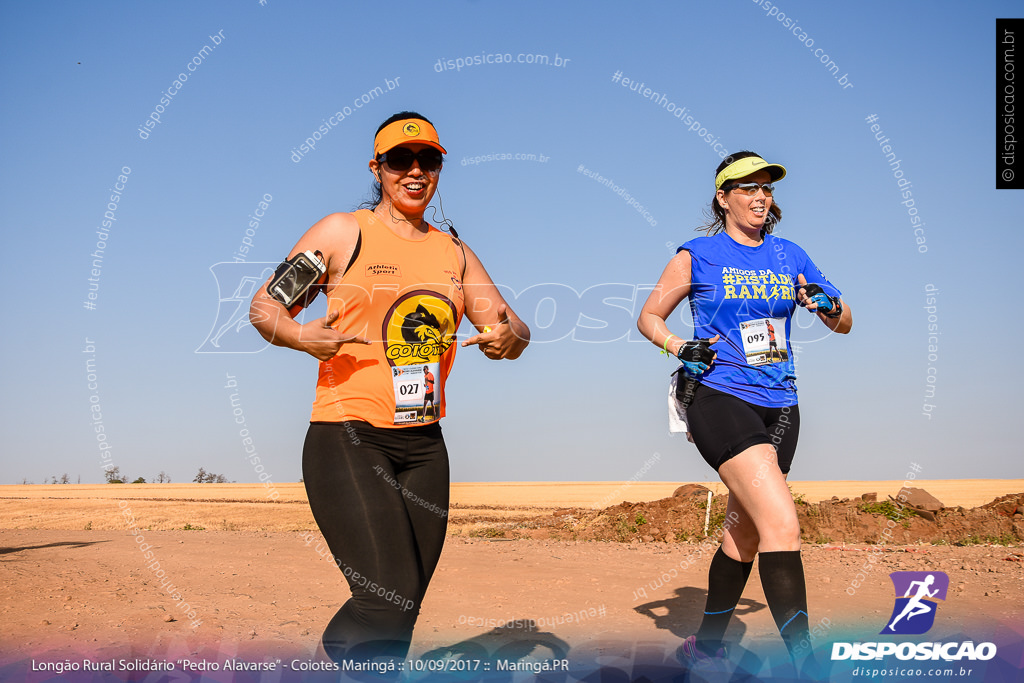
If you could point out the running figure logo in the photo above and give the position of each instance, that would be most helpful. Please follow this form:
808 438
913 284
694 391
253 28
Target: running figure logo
236 284
916 593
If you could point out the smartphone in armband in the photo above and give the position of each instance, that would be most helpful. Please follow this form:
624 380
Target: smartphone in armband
294 277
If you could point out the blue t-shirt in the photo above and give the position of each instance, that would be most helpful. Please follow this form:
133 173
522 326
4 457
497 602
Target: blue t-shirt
748 296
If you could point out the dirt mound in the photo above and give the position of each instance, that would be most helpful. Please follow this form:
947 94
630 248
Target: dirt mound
859 521
685 518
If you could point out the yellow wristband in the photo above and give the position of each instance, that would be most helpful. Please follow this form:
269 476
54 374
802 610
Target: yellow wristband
665 345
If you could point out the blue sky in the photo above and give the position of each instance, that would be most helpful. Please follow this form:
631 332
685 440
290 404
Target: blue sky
587 400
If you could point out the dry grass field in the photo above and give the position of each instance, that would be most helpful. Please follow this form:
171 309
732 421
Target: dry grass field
248 507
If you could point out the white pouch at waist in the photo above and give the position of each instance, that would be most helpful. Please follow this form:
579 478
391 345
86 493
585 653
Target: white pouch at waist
676 411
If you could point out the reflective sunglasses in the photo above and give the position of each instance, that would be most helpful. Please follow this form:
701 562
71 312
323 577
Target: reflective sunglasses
401 158
750 189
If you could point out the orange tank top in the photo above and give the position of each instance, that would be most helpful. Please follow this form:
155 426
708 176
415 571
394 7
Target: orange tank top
405 296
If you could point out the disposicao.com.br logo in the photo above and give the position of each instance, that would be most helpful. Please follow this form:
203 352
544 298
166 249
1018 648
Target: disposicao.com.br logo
913 613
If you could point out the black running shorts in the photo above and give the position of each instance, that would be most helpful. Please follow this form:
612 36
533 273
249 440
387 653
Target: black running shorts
723 426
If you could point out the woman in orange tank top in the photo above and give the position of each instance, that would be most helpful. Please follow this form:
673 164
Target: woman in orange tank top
374 462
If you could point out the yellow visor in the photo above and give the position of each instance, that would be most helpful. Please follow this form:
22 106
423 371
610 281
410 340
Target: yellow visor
746 166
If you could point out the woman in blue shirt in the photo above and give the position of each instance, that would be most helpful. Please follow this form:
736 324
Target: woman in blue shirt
744 284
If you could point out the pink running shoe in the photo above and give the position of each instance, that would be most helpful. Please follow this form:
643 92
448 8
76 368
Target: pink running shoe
696 662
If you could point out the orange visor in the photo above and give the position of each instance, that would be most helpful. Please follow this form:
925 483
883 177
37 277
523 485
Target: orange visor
403 132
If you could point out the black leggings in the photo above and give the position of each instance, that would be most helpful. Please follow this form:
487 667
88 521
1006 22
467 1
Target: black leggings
380 498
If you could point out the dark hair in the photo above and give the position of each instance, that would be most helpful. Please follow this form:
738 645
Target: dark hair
376 195
715 214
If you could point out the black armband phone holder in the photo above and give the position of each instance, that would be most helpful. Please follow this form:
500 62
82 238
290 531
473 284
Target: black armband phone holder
295 277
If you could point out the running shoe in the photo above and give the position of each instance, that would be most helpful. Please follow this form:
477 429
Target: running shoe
702 667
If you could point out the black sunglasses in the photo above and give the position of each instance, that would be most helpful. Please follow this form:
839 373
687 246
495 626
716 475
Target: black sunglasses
750 189
401 158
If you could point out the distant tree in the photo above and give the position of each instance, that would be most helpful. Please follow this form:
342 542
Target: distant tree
65 479
204 477
140 480
113 475
163 478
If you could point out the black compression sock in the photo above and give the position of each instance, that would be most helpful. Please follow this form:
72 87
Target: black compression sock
726 579
782 577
